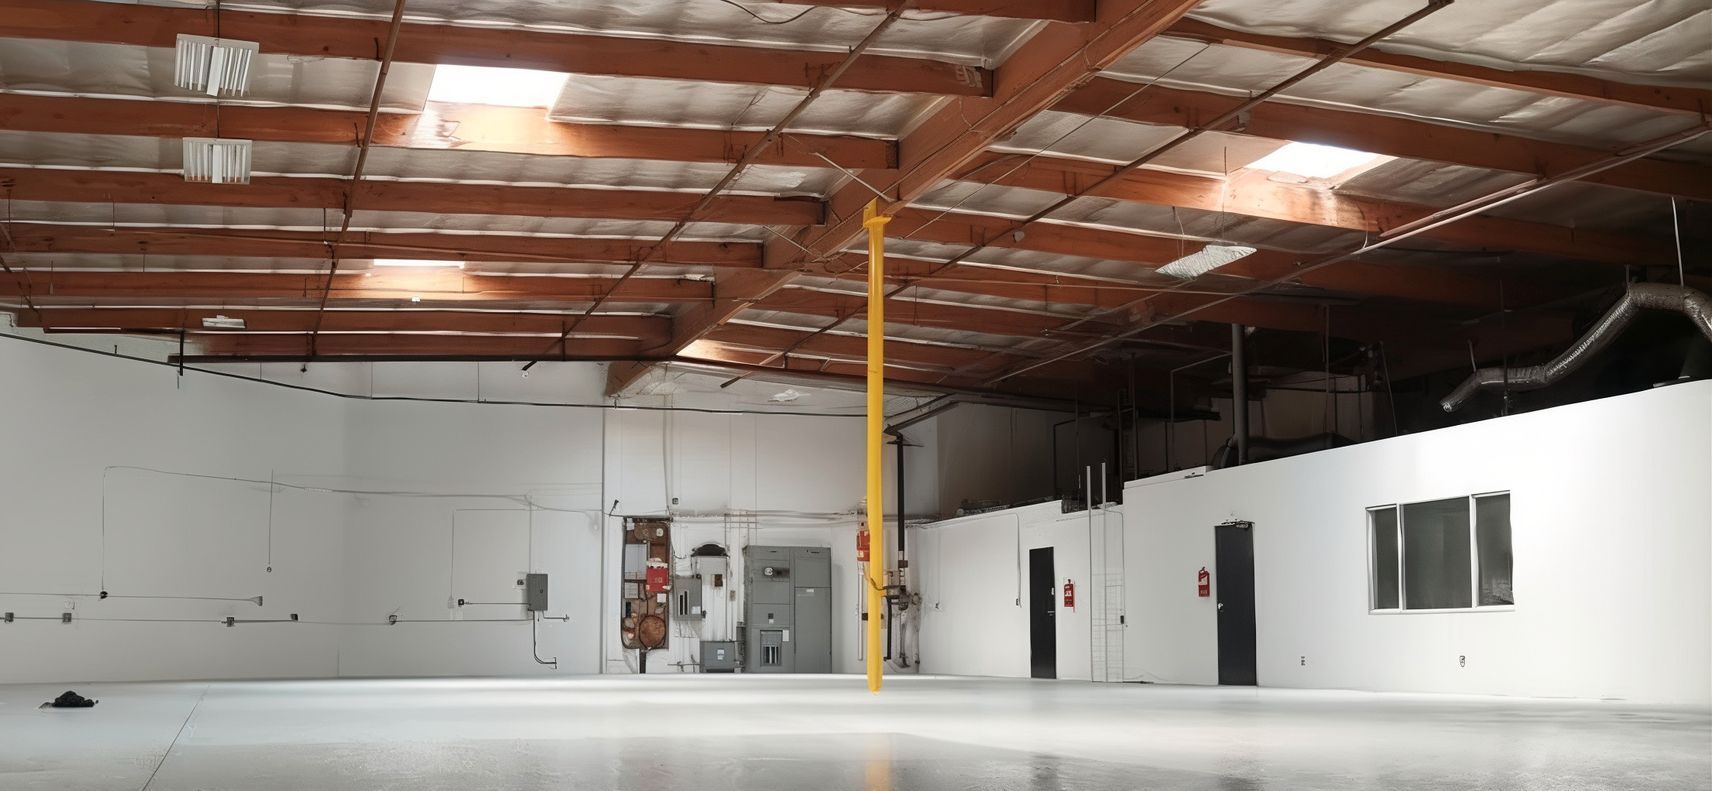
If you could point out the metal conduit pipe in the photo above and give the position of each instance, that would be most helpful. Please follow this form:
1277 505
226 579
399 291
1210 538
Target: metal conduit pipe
1654 296
1239 392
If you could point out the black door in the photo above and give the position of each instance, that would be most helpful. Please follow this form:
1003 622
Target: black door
1042 614
1234 581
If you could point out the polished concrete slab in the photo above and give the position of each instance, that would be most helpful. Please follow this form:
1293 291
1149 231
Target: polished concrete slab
754 733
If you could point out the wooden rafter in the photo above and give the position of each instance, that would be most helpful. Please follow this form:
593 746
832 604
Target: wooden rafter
322 36
472 248
644 328
1051 63
431 286
1670 99
1044 10
440 126
1384 134
1254 195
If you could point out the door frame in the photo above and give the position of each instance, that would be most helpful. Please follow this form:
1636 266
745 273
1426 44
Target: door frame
1234 603
1042 622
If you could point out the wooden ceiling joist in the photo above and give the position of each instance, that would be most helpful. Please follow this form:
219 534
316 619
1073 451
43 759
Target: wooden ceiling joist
1384 134
1050 64
1679 100
322 36
386 285
440 126
1254 195
471 248
645 328
105 186
333 345
1044 10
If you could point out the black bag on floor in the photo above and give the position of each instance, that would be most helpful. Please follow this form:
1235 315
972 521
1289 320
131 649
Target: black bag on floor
72 700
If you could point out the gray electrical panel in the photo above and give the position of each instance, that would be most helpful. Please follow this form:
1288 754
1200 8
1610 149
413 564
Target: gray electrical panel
686 598
535 592
718 656
787 624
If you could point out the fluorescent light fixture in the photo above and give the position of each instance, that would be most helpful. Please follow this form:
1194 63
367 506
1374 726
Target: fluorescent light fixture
415 263
1209 258
486 85
788 395
1313 161
215 66
223 323
212 160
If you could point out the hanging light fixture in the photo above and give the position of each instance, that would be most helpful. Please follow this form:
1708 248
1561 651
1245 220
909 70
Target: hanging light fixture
211 160
1205 260
215 66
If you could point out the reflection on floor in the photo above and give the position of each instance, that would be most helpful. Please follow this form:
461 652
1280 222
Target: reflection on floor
753 733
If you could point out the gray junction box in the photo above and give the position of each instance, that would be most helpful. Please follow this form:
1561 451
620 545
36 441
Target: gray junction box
787 609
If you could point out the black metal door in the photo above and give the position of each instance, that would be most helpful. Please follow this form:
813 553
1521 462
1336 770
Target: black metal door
1234 580
1042 614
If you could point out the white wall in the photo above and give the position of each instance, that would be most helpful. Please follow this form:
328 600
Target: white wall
972 573
70 416
458 500
1612 521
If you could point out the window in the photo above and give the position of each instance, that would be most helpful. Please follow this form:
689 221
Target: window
1442 554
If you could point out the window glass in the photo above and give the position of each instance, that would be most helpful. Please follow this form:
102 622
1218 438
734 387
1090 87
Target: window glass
1436 555
1492 534
1384 522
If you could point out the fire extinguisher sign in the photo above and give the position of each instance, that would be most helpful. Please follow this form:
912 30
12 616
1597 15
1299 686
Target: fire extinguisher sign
1204 583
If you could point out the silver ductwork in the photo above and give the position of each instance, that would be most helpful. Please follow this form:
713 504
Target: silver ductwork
1649 296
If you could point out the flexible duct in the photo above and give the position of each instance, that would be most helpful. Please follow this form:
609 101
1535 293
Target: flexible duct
1687 301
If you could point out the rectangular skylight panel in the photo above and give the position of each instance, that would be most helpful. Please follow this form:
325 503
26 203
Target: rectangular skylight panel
504 87
1313 161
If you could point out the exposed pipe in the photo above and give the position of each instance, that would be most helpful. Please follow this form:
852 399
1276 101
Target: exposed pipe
1239 392
1654 296
362 163
876 222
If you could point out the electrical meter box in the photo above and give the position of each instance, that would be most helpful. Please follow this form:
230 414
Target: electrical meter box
787 624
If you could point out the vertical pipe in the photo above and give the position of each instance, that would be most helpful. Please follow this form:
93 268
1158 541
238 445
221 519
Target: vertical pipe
1239 391
876 225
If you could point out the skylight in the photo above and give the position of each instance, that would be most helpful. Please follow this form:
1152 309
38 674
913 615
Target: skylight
507 87
1313 161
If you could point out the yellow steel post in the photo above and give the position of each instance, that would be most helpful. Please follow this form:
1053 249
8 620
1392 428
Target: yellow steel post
876 225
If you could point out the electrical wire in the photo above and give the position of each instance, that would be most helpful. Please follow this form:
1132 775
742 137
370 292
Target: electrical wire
851 11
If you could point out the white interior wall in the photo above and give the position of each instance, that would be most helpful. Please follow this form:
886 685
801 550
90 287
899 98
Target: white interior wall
446 514
1611 519
972 573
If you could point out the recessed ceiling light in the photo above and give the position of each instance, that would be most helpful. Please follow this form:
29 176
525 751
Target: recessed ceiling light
223 323
485 85
414 263
1313 161
1206 260
215 66
212 160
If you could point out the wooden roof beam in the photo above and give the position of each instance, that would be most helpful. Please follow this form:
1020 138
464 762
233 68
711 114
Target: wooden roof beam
1254 194
1384 134
1679 100
1049 65
1042 10
440 126
104 186
324 36
649 329
430 286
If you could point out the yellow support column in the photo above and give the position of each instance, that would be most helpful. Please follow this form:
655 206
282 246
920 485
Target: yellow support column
876 225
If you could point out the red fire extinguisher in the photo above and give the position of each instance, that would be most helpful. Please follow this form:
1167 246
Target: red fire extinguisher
1204 583
862 545
1069 595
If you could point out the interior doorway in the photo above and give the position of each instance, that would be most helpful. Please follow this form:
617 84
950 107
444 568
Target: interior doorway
1042 614
1234 581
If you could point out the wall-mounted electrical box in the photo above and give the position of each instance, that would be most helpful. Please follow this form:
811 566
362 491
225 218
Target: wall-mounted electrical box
535 592
788 609
718 656
686 598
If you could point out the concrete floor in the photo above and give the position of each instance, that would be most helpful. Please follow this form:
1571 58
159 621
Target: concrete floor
751 733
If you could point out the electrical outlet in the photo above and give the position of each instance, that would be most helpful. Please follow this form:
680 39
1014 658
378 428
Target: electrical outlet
1304 661
1462 661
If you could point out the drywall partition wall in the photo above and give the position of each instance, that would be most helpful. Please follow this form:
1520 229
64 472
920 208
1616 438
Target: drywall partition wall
972 573
94 440
1612 535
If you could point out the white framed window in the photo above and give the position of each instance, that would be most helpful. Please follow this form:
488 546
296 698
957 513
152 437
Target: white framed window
1437 555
